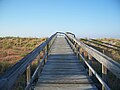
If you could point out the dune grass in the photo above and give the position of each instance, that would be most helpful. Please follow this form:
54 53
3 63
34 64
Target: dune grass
12 49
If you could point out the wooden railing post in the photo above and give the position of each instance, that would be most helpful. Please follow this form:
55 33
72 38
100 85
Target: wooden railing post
85 54
47 50
90 62
104 75
28 73
39 70
43 56
78 50
82 53
74 48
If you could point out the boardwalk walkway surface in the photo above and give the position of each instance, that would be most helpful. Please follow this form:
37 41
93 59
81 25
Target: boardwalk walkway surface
63 70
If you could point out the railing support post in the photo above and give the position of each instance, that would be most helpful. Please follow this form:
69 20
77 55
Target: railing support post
90 62
78 50
82 53
28 73
43 56
47 50
85 54
74 49
104 75
39 70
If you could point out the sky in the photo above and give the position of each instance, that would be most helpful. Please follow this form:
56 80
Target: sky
42 18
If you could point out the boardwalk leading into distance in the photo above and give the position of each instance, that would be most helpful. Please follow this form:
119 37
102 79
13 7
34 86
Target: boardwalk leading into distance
63 70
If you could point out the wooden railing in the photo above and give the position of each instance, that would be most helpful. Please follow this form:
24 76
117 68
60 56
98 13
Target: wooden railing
107 63
12 75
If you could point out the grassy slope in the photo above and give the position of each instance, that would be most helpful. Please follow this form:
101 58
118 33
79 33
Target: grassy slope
12 49
115 55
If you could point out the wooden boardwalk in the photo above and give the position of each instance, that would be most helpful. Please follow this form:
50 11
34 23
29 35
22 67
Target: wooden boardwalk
60 68
63 70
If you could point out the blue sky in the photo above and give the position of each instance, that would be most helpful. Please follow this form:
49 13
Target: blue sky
41 18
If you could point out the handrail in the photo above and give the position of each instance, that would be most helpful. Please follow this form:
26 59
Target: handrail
10 77
70 33
107 63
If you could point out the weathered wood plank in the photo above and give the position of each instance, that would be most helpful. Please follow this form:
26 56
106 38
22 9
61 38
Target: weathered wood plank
66 81
65 87
63 67
62 61
63 57
63 76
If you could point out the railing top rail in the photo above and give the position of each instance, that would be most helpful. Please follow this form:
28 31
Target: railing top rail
70 34
109 63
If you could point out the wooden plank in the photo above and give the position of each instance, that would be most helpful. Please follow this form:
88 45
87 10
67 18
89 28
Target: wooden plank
63 58
63 67
63 76
51 64
64 73
65 87
62 61
66 81
64 70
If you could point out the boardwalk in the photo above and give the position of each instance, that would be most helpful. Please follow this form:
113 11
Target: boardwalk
63 70
60 67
